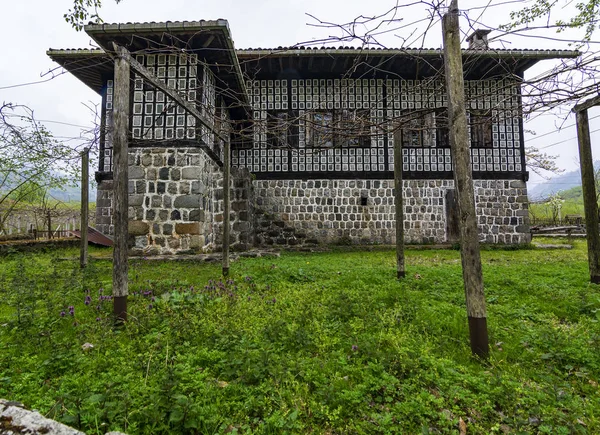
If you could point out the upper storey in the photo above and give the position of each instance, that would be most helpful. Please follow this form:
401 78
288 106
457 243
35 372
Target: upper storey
302 112
209 42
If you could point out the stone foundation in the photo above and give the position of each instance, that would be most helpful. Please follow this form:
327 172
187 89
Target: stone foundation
104 196
176 206
171 200
242 232
298 212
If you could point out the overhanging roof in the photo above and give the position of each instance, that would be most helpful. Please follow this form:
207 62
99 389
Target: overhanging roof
92 66
210 40
407 63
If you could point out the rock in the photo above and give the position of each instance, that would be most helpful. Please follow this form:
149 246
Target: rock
14 419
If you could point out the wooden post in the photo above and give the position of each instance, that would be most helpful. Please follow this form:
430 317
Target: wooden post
463 179
49 222
226 205
401 272
120 191
588 187
85 203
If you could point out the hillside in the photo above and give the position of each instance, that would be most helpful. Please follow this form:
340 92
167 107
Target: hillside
563 182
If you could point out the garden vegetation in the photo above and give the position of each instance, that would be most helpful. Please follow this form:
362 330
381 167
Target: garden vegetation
304 343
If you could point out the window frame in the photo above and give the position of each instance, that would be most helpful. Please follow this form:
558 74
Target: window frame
421 130
310 126
282 128
481 133
359 132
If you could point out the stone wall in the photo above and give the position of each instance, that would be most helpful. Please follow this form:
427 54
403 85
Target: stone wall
242 232
299 212
176 203
104 196
171 200
176 206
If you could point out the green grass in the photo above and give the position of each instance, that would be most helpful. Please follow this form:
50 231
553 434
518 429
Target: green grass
305 343
544 210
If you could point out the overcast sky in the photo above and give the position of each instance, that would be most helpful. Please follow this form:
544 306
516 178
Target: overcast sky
31 27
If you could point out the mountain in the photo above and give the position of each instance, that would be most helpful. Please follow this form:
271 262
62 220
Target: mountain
558 183
72 193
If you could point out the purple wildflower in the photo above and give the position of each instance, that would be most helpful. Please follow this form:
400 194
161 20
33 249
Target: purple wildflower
150 306
62 313
354 348
88 300
71 310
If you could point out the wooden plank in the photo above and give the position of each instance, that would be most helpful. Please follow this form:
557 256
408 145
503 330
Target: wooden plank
120 182
588 187
452 220
463 180
226 206
587 104
400 266
85 204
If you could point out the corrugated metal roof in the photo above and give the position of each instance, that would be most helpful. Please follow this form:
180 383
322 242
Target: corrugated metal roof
492 52
152 26
95 237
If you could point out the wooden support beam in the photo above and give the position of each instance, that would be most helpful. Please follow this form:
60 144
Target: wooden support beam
85 206
463 180
401 272
120 182
226 205
587 104
208 41
332 69
588 187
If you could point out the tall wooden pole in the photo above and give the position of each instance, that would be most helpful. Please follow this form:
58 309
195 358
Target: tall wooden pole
463 179
401 272
49 222
588 187
226 204
85 204
120 191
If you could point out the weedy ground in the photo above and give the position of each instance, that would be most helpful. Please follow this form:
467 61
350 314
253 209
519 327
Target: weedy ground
305 343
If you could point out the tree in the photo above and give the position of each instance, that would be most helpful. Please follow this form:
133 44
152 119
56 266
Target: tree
84 11
31 159
586 16
541 162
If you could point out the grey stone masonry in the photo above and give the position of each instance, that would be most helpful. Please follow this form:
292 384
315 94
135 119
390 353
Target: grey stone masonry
104 195
171 200
308 212
176 203
242 231
176 206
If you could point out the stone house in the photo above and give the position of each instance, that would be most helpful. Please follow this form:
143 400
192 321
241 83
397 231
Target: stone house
312 133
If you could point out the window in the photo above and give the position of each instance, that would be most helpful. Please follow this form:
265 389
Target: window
442 131
340 128
282 128
419 130
353 128
319 129
278 126
481 129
